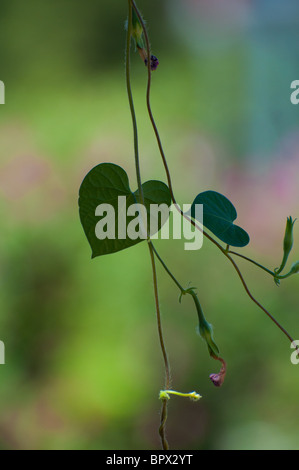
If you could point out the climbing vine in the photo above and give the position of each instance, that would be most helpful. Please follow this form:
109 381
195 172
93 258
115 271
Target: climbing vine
107 184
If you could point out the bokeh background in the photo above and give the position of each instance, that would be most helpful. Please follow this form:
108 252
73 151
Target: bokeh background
83 365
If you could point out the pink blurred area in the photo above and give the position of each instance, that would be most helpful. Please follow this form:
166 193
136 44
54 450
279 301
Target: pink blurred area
267 195
31 187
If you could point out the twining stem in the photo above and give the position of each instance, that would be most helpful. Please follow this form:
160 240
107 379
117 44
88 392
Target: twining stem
164 442
252 261
192 293
285 275
131 103
168 270
192 395
275 274
284 331
159 142
166 363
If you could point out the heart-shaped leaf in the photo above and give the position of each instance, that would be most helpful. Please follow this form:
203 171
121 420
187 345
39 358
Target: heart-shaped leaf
218 216
109 184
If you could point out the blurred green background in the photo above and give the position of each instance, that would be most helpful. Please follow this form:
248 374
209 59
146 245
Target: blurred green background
83 365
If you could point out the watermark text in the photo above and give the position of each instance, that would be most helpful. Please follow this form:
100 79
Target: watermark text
295 94
2 93
295 354
2 353
137 222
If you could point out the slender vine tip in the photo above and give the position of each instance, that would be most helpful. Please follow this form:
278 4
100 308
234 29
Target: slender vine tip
165 395
195 396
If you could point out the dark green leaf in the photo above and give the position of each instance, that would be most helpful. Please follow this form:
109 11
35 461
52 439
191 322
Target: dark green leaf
103 185
218 216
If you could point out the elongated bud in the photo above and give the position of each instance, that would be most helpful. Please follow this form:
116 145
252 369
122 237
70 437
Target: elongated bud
204 328
288 238
287 243
137 31
206 332
138 36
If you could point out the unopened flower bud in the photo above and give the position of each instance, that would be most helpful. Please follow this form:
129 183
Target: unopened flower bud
287 243
138 36
288 238
218 379
137 31
206 332
295 268
154 62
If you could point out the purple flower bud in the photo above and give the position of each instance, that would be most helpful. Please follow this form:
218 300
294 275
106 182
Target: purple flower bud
154 63
218 379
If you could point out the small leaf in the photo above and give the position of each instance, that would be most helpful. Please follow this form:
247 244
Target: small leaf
277 281
218 216
104 184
